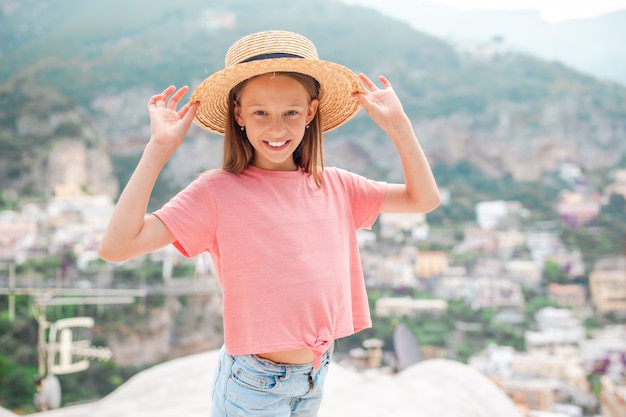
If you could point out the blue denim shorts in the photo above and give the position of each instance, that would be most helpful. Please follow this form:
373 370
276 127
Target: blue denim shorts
248 385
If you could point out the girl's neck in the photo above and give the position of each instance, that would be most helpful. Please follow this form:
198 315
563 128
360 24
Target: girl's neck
288 166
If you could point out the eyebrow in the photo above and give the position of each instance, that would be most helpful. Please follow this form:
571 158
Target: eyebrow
265 105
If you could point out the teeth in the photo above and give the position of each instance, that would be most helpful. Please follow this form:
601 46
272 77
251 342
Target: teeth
277 144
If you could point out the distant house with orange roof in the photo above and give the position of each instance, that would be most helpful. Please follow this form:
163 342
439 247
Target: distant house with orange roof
429 264
570 295
577 209
607 285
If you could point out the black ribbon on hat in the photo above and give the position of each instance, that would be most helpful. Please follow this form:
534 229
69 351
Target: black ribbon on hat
270 56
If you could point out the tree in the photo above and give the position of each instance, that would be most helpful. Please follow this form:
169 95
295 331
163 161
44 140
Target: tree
553 273
537 304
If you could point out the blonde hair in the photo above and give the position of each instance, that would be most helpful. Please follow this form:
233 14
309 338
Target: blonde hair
238 152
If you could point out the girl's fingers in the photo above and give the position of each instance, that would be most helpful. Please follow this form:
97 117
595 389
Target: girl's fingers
154 99
164 99
188 112
384 81
370 84
159 100
175 99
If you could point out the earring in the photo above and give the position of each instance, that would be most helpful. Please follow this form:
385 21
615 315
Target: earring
242 128
307 126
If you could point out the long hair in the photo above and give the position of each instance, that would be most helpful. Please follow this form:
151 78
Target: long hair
309 155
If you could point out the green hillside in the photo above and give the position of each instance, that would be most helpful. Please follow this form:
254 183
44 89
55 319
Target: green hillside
86 48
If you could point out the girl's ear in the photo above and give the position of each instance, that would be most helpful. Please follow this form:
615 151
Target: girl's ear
312 110
237 114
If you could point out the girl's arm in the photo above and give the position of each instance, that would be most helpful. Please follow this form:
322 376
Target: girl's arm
129 232
419 193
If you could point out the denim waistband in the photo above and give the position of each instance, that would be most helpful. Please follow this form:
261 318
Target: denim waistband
283 368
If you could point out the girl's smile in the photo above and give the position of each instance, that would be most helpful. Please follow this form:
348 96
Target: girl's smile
277 144
274 111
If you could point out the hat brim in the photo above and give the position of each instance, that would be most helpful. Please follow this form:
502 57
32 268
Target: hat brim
337 84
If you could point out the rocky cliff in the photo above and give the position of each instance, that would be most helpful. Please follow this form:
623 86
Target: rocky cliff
181 326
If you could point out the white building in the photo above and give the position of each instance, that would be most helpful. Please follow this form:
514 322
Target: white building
525 272
406 306
557 329
491 214
397 226
500 294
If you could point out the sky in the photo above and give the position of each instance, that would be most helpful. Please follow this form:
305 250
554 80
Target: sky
559 29
552 11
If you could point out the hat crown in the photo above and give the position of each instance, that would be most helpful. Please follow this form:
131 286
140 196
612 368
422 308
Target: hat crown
258 45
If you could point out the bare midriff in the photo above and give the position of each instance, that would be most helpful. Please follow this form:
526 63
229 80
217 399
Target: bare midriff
292 357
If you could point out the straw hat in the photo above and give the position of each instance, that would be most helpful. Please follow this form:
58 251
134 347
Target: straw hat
263 52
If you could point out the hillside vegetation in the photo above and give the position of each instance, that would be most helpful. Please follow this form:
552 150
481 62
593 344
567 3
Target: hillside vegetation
86 49
58 59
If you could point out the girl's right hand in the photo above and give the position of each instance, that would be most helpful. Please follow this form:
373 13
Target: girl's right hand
169 126
130 232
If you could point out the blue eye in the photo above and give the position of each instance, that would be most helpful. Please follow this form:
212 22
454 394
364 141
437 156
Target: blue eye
292 113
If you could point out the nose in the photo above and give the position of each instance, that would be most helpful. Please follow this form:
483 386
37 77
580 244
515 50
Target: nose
277 125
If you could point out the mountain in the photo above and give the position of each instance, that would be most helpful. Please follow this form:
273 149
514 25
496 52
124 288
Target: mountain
83 71
591 45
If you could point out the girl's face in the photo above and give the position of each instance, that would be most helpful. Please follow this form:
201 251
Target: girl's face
275 110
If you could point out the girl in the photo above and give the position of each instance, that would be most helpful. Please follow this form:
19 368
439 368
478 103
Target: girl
280 228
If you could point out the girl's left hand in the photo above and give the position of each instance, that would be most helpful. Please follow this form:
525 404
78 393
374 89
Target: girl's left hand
383 106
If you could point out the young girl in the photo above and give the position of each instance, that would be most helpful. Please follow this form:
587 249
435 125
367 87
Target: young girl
280 228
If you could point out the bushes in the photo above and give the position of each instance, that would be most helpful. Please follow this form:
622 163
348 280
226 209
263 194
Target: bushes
16 385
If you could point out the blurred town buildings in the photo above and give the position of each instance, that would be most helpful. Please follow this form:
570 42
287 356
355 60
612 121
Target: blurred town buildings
562 360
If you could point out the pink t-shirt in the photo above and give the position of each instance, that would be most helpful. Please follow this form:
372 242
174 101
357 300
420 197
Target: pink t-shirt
284 250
